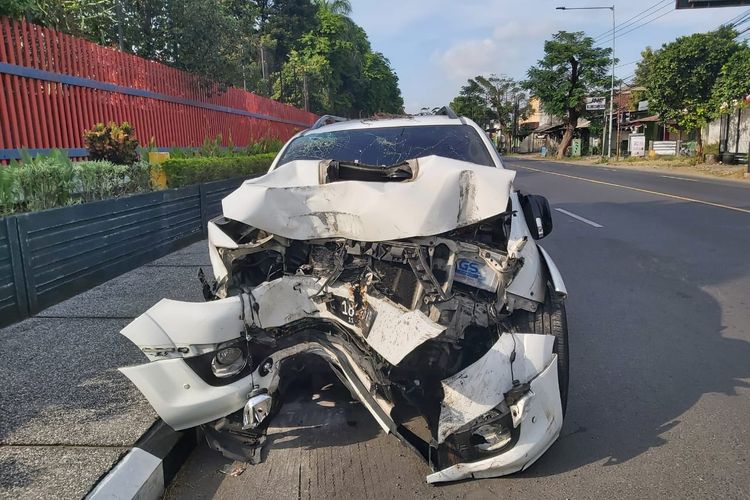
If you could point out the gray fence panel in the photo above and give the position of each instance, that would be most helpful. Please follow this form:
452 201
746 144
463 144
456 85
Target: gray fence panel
13 304
71 249
49 256
215 192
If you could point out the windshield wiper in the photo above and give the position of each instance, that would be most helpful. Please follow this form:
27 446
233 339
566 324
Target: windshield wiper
350 171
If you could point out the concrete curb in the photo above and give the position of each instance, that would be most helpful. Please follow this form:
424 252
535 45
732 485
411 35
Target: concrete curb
147 469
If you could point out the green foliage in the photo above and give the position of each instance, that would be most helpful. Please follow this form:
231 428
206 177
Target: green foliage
571 69
101 179
187 171
245 43
680 77
498 98
334 70
212 147
711 149
733 83
52 180
472 104
38 183
112 142
17 8
264 145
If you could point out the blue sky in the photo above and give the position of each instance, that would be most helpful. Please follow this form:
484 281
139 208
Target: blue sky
435 45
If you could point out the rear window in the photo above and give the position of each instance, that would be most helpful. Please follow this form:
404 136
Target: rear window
391 145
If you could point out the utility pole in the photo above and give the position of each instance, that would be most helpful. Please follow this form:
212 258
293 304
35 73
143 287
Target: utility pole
263 67
604 131
612 86
304 91
120 43
619 120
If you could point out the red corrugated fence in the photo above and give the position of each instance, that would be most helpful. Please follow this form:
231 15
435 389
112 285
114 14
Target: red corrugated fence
54 86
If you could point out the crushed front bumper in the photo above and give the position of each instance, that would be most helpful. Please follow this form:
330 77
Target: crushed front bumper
514 382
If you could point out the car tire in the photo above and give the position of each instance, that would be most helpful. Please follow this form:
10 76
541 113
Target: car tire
549 319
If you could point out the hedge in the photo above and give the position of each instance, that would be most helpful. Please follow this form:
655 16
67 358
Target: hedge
54 181
186 171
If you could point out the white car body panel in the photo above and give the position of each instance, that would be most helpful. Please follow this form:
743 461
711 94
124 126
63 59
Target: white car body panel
540 426
291 201
479 387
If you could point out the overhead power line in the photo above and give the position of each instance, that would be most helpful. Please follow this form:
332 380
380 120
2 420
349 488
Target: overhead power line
645 14
644 24
627 63
731 22
621 34
622 24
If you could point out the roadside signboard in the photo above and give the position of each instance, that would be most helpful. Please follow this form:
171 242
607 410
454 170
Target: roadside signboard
596 103
637 144
642 105
708 4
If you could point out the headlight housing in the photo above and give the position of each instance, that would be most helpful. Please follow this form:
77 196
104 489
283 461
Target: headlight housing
229 360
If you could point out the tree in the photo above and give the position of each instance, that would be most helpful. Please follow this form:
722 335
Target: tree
571 69
471 102
307 52
680 76
334 70
733 84
341 7
506 100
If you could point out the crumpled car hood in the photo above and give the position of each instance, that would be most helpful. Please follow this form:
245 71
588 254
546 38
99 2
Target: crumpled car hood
294 202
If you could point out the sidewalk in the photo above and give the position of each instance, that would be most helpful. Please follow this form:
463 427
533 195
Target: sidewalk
66 414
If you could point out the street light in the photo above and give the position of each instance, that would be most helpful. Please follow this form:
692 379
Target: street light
612 87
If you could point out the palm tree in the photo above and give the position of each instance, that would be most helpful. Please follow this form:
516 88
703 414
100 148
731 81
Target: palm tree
341 7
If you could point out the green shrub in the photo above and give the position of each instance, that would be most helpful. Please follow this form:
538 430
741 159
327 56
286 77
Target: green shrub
186 171
49 181
43 182
211 147
101 179
265 145
112 143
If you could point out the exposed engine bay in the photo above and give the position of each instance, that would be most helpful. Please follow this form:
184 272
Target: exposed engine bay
429 331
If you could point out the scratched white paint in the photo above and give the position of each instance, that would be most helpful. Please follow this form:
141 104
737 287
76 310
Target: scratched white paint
481 386
397 332
291 201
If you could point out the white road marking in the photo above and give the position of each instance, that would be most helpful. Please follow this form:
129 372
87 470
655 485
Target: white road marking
578 217
679 178
640 190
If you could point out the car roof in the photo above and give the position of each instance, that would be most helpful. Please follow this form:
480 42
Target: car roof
401 121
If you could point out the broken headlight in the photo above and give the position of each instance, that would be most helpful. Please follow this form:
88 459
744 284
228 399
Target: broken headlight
229 360
487 435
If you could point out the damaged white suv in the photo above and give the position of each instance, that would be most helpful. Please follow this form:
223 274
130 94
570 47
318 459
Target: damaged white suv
398 251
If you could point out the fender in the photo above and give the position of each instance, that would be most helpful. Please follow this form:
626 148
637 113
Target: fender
558 285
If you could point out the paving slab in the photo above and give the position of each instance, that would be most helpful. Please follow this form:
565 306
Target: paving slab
61 385
66 414
132 293
55 472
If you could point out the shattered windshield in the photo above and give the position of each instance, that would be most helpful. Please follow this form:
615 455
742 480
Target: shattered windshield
391 145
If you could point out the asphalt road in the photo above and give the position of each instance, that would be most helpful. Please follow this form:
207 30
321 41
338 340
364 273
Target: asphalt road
658 271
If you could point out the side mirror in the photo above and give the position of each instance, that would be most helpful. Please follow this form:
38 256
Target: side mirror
537 213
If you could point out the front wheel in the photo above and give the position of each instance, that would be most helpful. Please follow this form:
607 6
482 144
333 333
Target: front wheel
549 319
